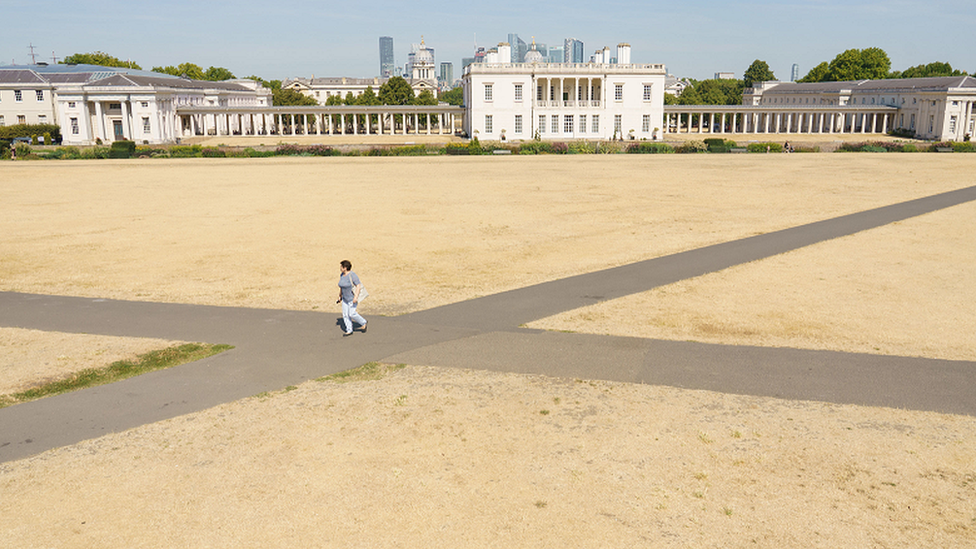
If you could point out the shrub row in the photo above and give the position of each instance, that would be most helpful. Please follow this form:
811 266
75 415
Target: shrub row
128 149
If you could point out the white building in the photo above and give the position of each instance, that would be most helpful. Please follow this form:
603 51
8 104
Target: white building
939 108
92 103
563 101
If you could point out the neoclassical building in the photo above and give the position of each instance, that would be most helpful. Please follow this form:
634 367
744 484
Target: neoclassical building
92 103
940 108
563 101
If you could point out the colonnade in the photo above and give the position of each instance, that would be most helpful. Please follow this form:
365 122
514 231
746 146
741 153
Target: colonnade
568 92
343 120
763 119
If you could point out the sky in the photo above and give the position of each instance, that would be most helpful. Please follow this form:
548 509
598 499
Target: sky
301 38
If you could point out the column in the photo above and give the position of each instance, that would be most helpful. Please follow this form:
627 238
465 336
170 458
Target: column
967 118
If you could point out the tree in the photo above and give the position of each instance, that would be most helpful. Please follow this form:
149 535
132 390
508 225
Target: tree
817 74
368 97
716 91
289 97
216 74
396 91
927 71
758 71
671 99
98 58
270 84
183 70
454 96
425 98
875 64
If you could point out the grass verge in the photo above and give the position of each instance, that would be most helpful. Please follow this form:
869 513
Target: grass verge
371 371
117 371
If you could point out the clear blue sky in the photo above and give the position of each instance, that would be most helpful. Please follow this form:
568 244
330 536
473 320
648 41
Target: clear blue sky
694 38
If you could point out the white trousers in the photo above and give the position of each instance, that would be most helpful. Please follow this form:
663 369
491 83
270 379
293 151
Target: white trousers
349 315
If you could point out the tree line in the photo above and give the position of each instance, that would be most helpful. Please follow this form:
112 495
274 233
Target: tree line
853 64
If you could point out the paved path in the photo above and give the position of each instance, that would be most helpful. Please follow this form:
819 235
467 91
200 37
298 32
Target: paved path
275 348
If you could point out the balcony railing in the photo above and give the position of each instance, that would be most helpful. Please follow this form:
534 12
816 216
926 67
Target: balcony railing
592 104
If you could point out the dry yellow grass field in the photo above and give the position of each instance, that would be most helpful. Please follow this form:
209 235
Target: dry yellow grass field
437 457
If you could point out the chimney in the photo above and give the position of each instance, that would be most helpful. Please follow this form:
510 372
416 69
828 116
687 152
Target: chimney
623 53
504 52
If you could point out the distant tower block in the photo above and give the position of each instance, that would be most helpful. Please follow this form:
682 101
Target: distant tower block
795 75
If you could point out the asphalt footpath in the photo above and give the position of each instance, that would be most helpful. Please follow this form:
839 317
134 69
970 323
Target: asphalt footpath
274 349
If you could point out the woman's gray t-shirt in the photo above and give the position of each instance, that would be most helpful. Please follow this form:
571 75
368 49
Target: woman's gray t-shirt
346 283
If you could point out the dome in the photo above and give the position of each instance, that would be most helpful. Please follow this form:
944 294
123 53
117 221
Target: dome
423 56
533 55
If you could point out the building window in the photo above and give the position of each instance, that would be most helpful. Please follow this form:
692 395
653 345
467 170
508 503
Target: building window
488 92
582 125
618 92
2 123
144 104
617 123
568 123
555 123
40 95
542 123
115 106
538 93
146 128
518 92
71 104
74 127
596 123
647 92
488 123
42 119
646 123
518 123
21 119
18 96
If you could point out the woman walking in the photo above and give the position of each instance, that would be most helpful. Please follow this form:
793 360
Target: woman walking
349 290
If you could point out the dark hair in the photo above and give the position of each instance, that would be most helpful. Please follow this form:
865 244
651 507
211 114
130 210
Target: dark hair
346 265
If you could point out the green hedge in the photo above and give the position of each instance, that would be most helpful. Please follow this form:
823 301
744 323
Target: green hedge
691 147
956 146
650 148
31 130
764 147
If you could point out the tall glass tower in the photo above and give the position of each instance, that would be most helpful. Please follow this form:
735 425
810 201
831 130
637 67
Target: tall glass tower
572 51
387 63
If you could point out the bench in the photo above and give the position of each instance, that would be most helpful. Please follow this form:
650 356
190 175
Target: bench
943 149
738 150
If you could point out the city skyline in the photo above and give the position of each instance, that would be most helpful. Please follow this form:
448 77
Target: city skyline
694 41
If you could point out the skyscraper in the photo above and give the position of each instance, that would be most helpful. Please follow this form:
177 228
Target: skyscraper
447 73
795 74
572 51
555 54
386 56
519 47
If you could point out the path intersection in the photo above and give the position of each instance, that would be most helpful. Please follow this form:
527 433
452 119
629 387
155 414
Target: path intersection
277 348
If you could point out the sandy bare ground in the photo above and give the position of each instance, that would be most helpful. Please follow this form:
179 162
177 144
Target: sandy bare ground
451 457
33 357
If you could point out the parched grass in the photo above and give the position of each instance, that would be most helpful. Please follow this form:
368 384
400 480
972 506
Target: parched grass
371 371
117 371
